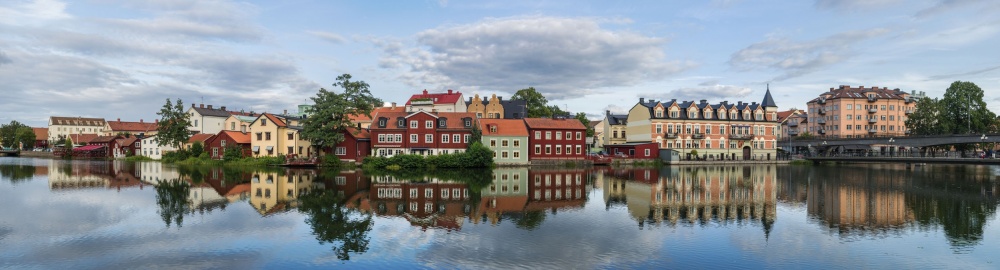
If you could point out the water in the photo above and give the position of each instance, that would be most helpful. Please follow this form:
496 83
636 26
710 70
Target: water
93 214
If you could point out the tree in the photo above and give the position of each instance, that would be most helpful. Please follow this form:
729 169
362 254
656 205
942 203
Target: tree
197 149
477 135
538 106
9 133
334 223
586 123
26 137
926 118
963 110
331 114
173 127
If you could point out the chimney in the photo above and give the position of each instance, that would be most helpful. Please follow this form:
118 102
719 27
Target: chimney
607 112
140 120
285 112
861 87
157 121
394 105
449 91
425 91
192 105
703 101
119 119
874 87
222 108
499 98
359 125
642 100
209 106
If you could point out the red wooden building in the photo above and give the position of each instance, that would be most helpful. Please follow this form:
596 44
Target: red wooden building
421 133
558 138
356 146
650 150
556 189
132 144
216 146
41 137
111 143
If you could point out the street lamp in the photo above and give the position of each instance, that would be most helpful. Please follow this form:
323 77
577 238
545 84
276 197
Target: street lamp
983 138
824 148
891 140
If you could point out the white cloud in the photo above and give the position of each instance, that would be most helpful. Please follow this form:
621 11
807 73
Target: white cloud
853 5
799 58
32 12
558 56
327 36
710 90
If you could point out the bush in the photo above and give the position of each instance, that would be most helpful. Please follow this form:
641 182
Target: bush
477 156
331 161
232 152
197 149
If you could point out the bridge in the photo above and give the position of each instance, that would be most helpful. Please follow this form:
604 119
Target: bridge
906 159
902 141
10 152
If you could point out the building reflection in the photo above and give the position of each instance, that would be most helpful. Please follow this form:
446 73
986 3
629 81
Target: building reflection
116 175
424 201
506 194
278 191
860 199
675 194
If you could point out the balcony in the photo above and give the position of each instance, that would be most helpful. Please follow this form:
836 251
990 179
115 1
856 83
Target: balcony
821 111
670 135
793 123
740 136
910 100
872 99
821 101
793 132
908 112
698 136
872 120
872 110
821 131
872 130
821 121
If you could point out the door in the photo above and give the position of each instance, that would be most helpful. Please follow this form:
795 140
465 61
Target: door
746 153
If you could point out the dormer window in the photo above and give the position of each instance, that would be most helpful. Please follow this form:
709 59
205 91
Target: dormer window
493 128
468 122
400 122
659 113
759 116
443 122
746 115
708 115
722 115
674 114
693 115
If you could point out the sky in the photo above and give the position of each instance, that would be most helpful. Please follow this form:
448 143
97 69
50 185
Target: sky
123 59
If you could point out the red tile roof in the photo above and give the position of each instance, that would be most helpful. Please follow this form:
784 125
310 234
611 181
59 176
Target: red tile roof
239 137
129 141
120 126
548 123
365 118
505 127
454 118
200 137
41 133
274 119
104 139
82 138
438 98
359 133
786 114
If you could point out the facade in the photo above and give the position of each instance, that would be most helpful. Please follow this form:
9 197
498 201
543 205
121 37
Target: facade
110 143
273 192
849 112
508 193
496 107
150 148
128 146
741 131
421 133
216 146
41 137
614 126
62 127
365 121
431 203
239 123
200 137
207 120
275 135
452 101
142 128
596 141
558 138
553 190
356 146
508 138
648 150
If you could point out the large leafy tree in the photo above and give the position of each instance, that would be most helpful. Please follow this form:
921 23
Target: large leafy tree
26 137
538 106
586 122
10 134
173 127
332 112
963 110
926 118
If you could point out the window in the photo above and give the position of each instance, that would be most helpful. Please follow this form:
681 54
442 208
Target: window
456 138
290 150
517 154
558 135
569 135
263 122
413 124
659 129
341 151
493 143
267 136
215 151
468 123
259 136
428 193
429 138
223 143
413 138
558 150
504 155
444 193
579 150
538 135
444 138
646 152
429 124
538 149
290 136
466 138
517 143
548 149
504 143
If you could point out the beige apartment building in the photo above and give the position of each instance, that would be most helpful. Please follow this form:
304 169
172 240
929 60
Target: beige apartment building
857 112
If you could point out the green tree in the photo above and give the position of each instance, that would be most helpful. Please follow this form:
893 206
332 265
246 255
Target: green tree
232 152
538 106
529 220
805 135
197 149
173 127
334 223
586 123
331 114
26 137
963 110
476 136
926 118
9 133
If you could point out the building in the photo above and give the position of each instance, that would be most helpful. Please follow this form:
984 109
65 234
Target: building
427 203
278 135
789 124
496 107
130 145
552 190
141 128
366 120
421 133
741 131
61 127
238 122
207 120
508 138
648 150
110 144
216 146
596 142
508 193
41 137
81 139
555 139
198 138
151 148
614 126
452 101
849 112
356 146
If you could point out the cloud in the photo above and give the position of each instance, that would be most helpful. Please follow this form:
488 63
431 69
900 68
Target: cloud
963 74
327 36
943 6
33 12
853 5
799 58
224 20
710 90
4 59
558 56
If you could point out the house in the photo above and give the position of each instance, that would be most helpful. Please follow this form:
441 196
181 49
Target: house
552 190
614 126
741 131
196 138
238 122
151 148
508 138
112 128
366 120
421 133
41 137
451 101
130 145
271 192
81 139
554 139
857 112
278 135
596 141
207 120
110 143
649 150
216 146
436 203
61 126
356 146
496 107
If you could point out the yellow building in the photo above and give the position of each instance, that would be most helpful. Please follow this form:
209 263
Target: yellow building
278 135
849 112
490 109
272 192
239 123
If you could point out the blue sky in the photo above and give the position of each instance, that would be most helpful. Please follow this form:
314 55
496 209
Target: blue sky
122 59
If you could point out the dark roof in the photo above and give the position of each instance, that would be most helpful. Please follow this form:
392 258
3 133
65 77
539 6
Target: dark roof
701 106
510 107
768 100
76 121
860 92
617 119
218 112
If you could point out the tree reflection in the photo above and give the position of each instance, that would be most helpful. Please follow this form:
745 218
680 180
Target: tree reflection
529 220
347 229
171 197
17 173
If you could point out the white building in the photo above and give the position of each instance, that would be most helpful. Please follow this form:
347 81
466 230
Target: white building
207 119
64 126
152 150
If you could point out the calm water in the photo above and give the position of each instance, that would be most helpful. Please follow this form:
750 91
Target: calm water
81 215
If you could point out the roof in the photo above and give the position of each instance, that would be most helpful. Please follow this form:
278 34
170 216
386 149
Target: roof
237 136
785 114
244 118
365 118
617 119
359 133
438 98
768 100
548 123
274 119
82 138
595 123
88 147
454 119
41 133
860 92
130 140
76 121
140 126
701 107
505 127
200 137
512 109
216 112
104 139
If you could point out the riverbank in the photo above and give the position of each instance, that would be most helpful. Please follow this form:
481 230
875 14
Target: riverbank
34 154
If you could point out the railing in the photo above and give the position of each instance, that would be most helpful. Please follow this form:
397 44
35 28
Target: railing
793 123
698 136
872 110
821 101
740 136
909 112
821 111
671 135
872 99
872 120
821 121
872 130
793 132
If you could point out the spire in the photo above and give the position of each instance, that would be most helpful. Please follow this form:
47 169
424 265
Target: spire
768 100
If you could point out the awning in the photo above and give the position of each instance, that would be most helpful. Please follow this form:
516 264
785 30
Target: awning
256 148
269 148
